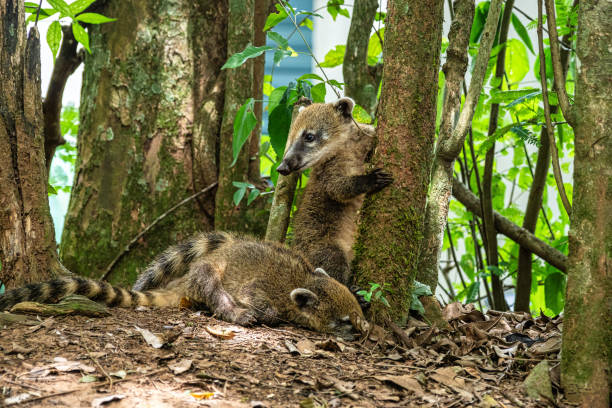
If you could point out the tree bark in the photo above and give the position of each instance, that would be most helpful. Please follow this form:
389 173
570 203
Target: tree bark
586 355
150 115
519 235
27 243
238 88
499 301
390 233
361 81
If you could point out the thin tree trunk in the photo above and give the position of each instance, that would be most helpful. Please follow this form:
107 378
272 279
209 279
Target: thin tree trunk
27 243
390 233
586 355
499 301
534 202
361 81
66 63
150 113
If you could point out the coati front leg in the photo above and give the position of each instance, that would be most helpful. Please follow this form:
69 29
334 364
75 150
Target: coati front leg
204 285
345 188
332 259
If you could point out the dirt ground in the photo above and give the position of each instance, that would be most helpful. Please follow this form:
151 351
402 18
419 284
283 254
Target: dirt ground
76 361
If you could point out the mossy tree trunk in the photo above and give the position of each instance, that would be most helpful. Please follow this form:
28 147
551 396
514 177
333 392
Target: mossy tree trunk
151 106
587 329
27 243
391 230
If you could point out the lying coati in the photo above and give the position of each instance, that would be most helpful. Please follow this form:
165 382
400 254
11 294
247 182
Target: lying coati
240 280
325 137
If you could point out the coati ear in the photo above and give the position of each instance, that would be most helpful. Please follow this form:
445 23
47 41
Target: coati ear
304 298
303 102
320 271
345 106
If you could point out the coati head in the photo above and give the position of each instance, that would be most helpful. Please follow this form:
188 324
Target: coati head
317 130
328 307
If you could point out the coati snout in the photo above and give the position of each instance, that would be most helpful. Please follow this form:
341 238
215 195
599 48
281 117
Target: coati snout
314 134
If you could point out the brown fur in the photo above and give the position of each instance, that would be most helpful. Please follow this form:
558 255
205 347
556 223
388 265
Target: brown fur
326 221
242 281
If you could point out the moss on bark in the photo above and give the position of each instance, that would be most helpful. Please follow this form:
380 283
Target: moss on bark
391 229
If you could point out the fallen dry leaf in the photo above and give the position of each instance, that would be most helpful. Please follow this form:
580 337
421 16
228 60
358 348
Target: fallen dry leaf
181 366
407 382
305 347
202 395
151 339
221 333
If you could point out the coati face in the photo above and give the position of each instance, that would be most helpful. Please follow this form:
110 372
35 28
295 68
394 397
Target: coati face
316 132
329 307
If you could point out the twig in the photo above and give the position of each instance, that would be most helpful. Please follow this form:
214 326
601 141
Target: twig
400 333
108 377
549 127
38 13
559 77
42 397
110 267
454 255
134 378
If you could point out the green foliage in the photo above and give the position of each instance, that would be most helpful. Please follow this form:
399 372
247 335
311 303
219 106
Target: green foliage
419 289
334 7
334 57
74 11
376 293
244 123
65 154
249 52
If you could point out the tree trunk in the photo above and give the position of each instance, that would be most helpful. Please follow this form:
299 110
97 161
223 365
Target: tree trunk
390 233
587 329
499 300
150 112
27 243
239 85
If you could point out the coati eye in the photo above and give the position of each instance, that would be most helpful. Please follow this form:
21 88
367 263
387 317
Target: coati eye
309 137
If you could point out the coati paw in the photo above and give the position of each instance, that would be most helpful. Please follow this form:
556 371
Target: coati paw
379 179
363 303
244 317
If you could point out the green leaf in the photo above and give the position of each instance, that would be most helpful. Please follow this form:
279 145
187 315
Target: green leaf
275 97
51 190
549 68
253 195
81 35
54 37
318 93
62 7
554 291
472 291
280 55
279 39
275 18
498 96
94 18
361 115
308 23
278 128
334 8
244 123
517 63
416 304
240 58
421 289
532 94
480 16
80 5
239 195
334 57
522 32
310 76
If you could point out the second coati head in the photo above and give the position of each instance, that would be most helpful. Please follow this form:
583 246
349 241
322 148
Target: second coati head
320 130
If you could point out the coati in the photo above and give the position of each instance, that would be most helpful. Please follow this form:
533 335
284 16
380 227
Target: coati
242 281
326 138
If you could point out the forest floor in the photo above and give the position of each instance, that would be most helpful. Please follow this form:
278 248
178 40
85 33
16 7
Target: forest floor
77 361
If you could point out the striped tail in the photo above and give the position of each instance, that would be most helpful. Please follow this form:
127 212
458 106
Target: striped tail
104 292
174 261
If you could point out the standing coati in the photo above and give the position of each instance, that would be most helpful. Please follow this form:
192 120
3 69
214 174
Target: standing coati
326 138
240 280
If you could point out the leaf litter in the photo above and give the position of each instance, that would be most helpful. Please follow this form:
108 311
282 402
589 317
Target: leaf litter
182 358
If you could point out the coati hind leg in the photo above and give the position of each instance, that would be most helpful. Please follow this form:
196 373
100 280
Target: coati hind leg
203 285
332 259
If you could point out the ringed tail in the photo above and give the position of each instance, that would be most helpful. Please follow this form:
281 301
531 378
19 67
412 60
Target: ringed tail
100 291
